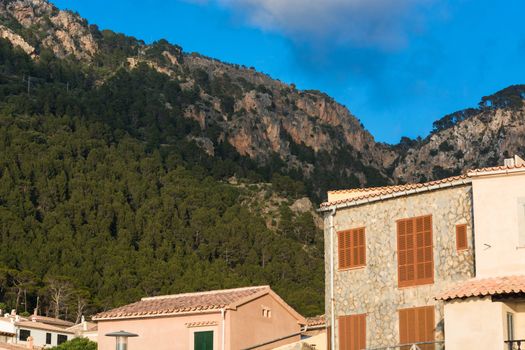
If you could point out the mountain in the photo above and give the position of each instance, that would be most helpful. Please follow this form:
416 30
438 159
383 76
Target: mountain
467 139
266 120
131 169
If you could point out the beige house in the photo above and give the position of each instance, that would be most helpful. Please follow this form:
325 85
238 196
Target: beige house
488 310
231 319
395 254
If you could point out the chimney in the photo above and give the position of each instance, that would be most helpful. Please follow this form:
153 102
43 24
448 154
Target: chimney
514 161
13 312
518 160
35 312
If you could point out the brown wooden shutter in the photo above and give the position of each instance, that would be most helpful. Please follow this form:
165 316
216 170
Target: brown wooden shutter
352 332
417 325
329 338
340 248
461 237
352 248
415 251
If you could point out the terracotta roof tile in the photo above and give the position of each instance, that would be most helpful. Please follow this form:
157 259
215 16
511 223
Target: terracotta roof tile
486 286
377 192
180 303
315 321
42 326
51 320
496 168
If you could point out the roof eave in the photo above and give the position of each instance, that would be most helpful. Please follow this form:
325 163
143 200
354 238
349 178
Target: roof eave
172 314
417 190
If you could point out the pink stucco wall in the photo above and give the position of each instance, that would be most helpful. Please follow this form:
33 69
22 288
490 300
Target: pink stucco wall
251 328
159 333
244 327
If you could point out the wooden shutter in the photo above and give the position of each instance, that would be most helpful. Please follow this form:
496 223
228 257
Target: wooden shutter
352 332
461 237
417 325
415 251
351 248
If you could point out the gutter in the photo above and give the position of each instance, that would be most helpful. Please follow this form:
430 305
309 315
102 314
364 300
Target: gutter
352 203
201 312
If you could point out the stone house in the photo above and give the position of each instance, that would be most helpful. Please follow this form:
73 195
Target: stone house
394 254
230 319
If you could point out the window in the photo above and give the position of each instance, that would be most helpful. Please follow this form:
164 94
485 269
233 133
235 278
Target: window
266 312
352 332
461 237
48 338
415 259
416 325
352 248
203 340
61 338
24 334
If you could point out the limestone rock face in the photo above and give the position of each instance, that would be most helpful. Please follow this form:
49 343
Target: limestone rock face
265 119
484 139
16 40
63 32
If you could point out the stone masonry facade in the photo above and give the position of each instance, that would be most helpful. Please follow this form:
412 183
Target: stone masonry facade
373 290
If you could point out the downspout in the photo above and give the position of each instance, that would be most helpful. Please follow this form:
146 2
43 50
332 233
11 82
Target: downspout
332 295
223 315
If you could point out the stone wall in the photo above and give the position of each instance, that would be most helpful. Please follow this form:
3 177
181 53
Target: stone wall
374 289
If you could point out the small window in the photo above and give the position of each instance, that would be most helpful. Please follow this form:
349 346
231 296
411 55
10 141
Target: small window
461 237
24 334
352 248
61 338
203 340
48 338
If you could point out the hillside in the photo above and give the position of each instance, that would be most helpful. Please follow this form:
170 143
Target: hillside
131 169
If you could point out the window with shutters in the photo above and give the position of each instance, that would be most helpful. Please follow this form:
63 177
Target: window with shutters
415 256
352 332
417 325
352 248
461 237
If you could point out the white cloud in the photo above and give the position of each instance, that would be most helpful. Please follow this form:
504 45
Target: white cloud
383 24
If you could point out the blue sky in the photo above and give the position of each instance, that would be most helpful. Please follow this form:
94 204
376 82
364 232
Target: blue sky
397 65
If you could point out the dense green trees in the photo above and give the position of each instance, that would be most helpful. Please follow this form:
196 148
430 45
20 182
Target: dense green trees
99 223
104 197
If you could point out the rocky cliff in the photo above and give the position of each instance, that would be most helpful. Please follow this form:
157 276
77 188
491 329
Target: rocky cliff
318 140
475 137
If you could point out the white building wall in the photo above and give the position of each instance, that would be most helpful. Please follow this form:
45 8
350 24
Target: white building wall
499 219
39 337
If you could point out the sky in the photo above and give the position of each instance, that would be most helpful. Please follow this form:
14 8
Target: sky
398 65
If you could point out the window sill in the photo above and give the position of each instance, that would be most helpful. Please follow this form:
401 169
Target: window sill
352 268
415 285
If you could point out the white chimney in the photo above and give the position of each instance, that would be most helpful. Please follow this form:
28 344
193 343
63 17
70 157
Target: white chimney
514 161
13 312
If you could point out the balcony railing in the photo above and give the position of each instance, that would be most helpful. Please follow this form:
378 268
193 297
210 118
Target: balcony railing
515 344
424 345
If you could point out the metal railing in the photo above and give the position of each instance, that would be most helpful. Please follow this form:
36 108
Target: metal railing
515 344
424 345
